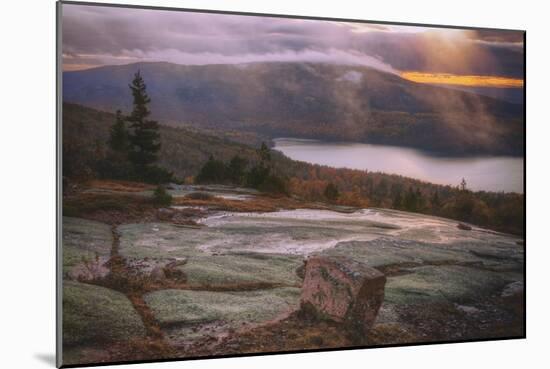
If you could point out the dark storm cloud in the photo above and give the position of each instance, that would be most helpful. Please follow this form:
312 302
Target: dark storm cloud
95 36
496 36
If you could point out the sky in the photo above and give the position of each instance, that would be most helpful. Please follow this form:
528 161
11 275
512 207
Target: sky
94 36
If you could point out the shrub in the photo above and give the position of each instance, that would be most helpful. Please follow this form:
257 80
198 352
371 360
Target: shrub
161 197
274 185
155 175
213 171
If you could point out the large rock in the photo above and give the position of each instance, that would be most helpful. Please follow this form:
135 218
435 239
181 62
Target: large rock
464 227
343 290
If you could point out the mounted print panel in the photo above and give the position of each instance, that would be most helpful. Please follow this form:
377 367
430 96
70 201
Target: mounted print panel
236 184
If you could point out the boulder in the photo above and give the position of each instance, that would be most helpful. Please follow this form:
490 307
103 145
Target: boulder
464 227
176 262
165 214
342 290
516 288
158 274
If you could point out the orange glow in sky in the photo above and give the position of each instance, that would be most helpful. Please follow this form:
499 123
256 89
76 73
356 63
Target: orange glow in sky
463 80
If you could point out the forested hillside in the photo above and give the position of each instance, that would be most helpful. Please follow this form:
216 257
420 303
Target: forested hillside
185 152
311 100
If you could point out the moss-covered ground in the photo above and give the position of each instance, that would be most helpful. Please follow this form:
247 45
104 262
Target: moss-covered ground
93 314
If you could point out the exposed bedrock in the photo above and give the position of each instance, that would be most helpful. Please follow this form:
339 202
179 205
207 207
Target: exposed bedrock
343 290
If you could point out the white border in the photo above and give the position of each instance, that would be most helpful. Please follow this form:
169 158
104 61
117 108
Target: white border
28 182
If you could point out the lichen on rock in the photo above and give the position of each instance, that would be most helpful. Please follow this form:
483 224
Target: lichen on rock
343 290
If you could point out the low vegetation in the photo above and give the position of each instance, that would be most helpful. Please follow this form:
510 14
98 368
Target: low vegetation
161 197
260 176
174 307
109 314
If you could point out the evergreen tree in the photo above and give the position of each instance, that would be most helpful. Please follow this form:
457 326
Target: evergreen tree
264 153
161 197
118 138
331 192
144 137
213 171
259 174
397 202
411 201
420 203
436 202
236 169
381 190
463 185
116 164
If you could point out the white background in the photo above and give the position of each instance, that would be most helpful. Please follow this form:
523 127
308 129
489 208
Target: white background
27 202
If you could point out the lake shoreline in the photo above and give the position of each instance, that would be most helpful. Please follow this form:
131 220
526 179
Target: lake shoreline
425 151
482 173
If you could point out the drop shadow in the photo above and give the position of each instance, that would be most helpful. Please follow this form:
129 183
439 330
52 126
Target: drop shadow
46 358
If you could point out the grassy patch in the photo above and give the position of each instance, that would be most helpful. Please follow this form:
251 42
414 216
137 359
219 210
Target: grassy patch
84 239
172 307
93 314
387 251
161 240
235 269
451 283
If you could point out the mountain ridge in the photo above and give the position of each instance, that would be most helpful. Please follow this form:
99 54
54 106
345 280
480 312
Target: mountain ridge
310 100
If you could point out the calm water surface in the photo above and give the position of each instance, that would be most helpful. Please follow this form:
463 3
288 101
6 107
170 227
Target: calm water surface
489 173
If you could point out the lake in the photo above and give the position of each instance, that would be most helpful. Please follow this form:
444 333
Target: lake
489 173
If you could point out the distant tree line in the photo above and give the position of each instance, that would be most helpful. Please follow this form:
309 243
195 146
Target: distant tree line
499 211
238 172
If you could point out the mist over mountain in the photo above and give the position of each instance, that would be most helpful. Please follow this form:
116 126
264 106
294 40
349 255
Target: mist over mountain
311 100
512 95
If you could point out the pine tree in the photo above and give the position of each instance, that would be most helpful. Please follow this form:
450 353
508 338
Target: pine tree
264 153
436 202
162 197
118 138
411 201
213 171
144 137
261 172
236 169
331 192
463 185
397 202
420 203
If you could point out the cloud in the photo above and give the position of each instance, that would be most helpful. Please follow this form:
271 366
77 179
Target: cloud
496 36
95 35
